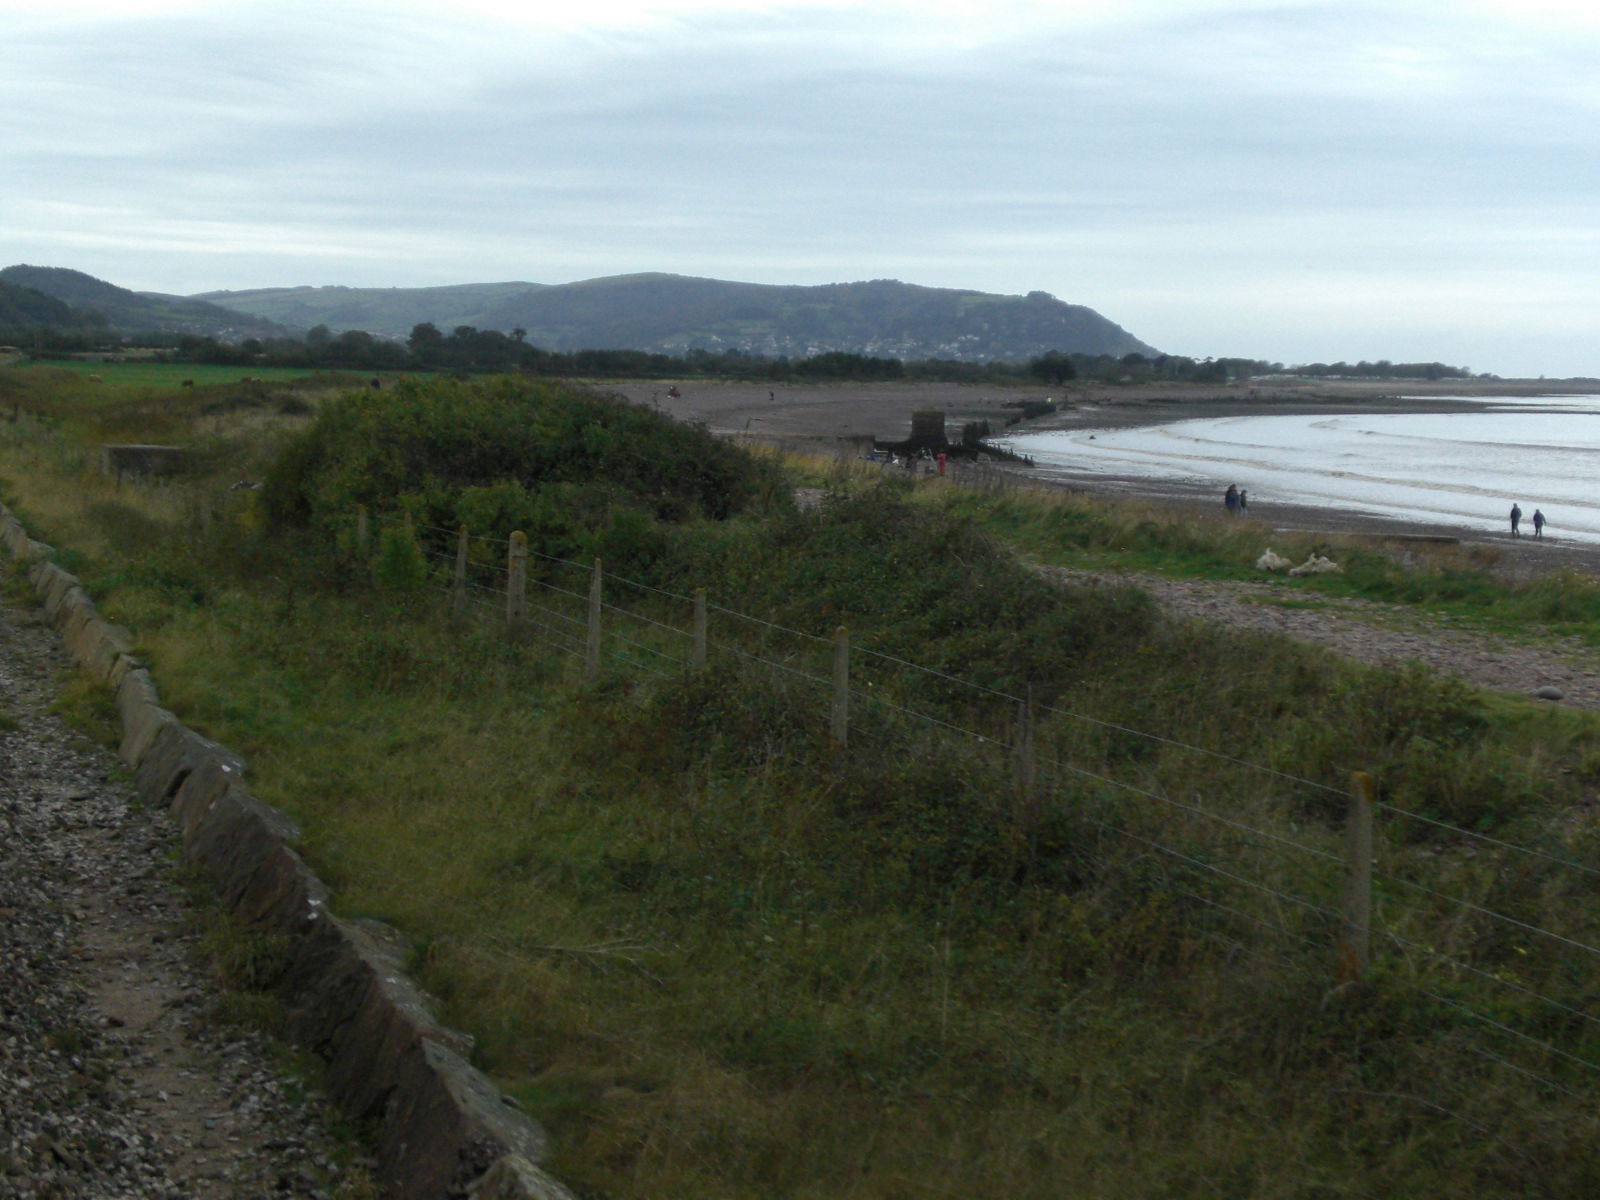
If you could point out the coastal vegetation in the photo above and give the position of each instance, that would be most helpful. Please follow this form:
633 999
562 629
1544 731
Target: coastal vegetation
720 954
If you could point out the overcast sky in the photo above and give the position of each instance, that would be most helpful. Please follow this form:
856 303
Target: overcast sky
1290 181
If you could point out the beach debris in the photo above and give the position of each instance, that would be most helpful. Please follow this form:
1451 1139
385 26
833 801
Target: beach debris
1315 565
1271 560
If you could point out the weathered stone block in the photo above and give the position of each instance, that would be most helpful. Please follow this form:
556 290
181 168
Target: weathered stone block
445 1125
120 666
62 602
238 836
349 1000
515 1178
141 715
174 752
199 790
94 643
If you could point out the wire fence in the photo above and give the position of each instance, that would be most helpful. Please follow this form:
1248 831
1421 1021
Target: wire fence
1307 891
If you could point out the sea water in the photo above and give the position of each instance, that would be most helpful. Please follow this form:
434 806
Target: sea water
1463 469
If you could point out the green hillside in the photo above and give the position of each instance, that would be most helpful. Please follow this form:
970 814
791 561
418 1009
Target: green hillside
676 313
23 311
387 311
126 311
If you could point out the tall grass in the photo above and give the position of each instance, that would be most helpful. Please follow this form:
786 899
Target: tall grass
721 959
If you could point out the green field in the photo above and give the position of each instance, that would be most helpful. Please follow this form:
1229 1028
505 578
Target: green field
172 375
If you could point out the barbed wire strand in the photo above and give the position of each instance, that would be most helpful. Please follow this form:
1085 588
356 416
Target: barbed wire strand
728 612
640 617
1487 912
545 634
1384 806
550 587
1521 1070
554 614
1162 848
619 656
646 587
742 653
1513 985
1506 1029
1287 776
1108 780
1084 772
885 702
613 635
1262 921
1062 712
565 562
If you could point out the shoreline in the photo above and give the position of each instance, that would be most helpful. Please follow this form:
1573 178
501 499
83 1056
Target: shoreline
822 417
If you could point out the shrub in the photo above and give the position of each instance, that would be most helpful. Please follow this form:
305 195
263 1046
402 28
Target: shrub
449 451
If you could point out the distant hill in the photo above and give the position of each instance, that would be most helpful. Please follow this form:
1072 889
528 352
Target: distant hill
139 312
24 311
389 312
676 313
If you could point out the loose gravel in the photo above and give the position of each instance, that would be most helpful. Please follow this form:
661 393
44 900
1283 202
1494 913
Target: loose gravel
119 1077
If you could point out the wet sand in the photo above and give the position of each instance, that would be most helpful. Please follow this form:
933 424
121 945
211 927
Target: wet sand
819 416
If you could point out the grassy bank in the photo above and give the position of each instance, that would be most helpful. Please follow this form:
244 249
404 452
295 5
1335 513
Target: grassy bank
719 956
1458 582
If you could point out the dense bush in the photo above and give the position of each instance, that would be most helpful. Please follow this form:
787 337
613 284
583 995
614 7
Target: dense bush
504 453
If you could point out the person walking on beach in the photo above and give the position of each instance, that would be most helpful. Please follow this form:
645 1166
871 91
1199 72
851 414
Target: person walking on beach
1516 517
1244 503
1230 500
1538 523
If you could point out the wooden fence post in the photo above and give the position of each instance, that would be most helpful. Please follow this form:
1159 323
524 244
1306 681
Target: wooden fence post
1355 927
1025 767
840 728
697 656
458 590
517 584
591 649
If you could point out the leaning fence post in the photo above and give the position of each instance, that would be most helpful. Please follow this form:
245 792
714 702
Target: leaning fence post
517 583
458 592
840 729
697 657
1355 930
591 649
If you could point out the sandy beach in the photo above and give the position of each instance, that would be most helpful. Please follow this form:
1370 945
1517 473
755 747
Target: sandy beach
822 416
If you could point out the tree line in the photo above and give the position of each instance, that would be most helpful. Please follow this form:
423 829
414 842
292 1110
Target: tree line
469 350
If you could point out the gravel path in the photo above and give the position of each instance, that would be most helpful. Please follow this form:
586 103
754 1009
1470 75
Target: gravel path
117 1077
1373 633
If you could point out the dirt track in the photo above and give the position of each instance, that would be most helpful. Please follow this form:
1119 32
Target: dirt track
119 1080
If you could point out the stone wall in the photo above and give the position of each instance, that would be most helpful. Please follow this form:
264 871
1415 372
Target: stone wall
441 1128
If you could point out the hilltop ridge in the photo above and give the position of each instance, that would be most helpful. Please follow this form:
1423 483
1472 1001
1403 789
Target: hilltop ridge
675 314
126 311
